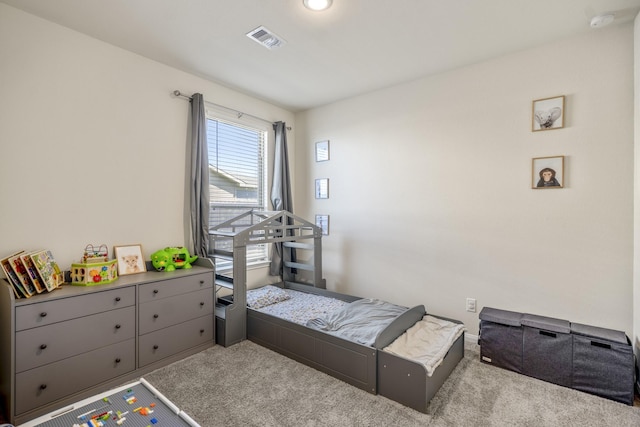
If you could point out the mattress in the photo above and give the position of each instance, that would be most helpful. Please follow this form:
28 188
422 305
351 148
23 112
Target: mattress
359 321
427 342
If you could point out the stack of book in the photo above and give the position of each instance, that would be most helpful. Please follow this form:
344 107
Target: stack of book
31 273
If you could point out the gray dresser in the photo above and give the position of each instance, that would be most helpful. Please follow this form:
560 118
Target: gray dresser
60 347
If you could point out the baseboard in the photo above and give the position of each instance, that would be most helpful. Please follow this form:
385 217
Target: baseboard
471 339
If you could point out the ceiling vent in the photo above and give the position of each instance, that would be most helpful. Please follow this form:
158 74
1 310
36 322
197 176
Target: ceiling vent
266 38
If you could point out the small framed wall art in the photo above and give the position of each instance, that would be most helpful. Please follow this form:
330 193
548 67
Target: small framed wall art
130 259
322 221
322 151
547 172
322 188
547 114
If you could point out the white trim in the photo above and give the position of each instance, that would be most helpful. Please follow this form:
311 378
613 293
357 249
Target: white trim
471 338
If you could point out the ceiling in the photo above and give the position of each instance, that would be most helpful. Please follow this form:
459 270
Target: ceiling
354 47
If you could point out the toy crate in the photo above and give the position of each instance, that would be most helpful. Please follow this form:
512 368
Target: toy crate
603 362
501 338
547 349
94 273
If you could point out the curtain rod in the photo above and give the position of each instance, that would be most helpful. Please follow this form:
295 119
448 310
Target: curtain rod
239 113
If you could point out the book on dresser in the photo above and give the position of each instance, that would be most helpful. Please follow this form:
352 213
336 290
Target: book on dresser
11 276
32 271
48 269
21 272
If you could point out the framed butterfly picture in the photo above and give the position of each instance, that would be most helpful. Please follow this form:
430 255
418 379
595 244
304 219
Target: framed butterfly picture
548 114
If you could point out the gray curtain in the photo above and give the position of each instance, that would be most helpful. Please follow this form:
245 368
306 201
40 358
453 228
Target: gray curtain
280 190
199 184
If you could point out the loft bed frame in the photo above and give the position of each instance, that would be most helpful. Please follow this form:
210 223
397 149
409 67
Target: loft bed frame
369 368
229 241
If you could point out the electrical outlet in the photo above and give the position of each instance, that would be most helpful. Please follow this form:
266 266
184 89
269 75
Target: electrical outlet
471 305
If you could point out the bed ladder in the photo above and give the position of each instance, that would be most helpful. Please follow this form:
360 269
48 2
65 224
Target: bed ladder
229 241
230 309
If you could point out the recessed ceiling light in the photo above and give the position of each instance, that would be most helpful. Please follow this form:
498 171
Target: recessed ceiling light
317 5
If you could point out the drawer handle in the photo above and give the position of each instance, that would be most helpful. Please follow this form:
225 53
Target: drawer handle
43 346
118 326
117 299
43 386
118 360
202 282
155 316
201 304
548 334
155 347
601 345
155 291
43 314
201 331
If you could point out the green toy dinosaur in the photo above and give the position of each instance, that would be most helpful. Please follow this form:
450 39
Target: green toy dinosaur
170 258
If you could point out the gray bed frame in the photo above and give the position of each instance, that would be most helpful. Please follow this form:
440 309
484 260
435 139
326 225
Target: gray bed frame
368 368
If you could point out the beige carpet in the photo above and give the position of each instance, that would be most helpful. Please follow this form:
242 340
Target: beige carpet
249 385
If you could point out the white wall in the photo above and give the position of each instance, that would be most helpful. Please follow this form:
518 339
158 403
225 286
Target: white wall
430 199
93 144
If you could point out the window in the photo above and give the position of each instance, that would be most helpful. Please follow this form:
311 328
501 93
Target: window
237 173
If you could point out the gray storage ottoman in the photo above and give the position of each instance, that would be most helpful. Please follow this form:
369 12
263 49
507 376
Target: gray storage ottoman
603 362
501 338
547 349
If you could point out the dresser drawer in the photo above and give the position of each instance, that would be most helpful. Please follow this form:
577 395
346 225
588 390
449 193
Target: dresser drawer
166 342
48 383
39 346
169 311
46 313
172 287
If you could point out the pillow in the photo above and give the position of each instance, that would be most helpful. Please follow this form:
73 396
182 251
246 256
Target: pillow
267 295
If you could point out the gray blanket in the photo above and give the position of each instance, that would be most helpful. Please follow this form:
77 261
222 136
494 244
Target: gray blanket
361 321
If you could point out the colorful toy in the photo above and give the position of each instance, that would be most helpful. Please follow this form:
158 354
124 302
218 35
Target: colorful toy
94 254
94 268
170 258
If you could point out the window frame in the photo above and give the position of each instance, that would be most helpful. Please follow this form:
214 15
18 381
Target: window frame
230 117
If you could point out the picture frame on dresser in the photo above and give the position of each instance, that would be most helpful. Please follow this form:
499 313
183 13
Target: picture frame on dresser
130 259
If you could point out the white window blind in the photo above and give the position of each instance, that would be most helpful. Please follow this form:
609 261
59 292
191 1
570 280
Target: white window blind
237 174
